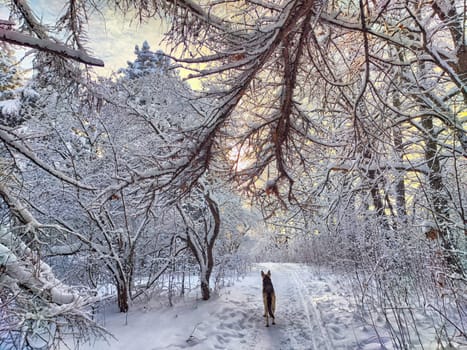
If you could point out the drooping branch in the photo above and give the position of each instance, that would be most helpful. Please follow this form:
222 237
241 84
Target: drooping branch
48 45
291 65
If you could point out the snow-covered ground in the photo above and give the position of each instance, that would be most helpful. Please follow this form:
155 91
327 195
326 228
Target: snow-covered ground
312 312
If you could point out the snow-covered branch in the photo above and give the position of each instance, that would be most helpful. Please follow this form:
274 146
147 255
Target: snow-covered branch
12 141
49 46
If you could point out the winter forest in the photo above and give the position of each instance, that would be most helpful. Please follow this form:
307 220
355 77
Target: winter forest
322 140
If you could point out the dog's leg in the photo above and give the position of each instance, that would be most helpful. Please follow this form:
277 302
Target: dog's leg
266 313
273 307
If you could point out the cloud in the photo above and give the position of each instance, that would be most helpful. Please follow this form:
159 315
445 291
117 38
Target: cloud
112 37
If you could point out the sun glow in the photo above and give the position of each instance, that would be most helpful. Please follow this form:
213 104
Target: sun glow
238 158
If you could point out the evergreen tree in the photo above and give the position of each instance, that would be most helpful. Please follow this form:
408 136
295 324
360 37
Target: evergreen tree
9 76
10 81
15 96
146 62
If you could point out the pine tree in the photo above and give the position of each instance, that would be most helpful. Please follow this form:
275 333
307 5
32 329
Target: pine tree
10 82
10 78
146 62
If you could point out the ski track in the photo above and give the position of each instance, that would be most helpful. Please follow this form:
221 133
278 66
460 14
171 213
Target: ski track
314 321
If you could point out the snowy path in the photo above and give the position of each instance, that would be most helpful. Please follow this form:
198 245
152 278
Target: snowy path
299 324
311 314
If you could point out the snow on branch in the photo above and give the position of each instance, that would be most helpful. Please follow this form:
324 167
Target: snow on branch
48 46
11 140
197 11
22 271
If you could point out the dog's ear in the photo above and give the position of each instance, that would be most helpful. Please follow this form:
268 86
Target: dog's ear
262 273
269 273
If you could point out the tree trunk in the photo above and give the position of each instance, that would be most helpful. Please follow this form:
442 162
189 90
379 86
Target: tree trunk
401 205
372 176
436 195
122 296
205 292
202 243
211 240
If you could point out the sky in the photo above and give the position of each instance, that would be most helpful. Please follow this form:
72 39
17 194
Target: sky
111 36
113 39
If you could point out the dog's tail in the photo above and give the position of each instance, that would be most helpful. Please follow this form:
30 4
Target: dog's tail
269 301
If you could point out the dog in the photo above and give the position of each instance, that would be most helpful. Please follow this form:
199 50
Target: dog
269 297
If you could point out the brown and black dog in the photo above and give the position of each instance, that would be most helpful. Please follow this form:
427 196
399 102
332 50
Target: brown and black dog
269 297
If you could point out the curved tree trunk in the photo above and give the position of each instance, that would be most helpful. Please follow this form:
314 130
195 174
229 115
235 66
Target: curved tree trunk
201 243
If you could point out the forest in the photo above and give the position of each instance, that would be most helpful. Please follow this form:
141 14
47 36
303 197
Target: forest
329 133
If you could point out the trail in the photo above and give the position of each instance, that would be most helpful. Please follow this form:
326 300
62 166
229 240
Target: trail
311 314
298 322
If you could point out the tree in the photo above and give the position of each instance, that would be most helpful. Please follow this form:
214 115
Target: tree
202 226
9 76
38 309
10 88
295 81
138 129
147 62
211 216
355 105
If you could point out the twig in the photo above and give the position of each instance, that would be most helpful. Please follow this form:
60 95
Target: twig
447 319
191 338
